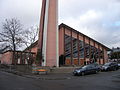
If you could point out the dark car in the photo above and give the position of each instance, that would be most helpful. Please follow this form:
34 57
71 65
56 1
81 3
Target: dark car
111 66
88 69
97 66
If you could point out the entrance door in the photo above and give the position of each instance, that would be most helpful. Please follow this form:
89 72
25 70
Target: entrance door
61 60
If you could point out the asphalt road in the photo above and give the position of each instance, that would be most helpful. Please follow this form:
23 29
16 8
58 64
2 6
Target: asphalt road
101 81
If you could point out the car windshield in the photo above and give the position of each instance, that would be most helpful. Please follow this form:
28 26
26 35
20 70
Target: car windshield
84 67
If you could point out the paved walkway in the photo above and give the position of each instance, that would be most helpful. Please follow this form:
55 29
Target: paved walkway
49 76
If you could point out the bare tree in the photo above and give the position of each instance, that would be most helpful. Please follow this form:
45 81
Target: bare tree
11 34
31 36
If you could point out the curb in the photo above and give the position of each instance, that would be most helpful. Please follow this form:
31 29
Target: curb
37 77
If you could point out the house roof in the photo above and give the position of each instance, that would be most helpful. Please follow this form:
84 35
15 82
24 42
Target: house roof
4 49
70 28
17 51
32 45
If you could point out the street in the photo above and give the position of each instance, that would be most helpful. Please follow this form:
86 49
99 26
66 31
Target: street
101 81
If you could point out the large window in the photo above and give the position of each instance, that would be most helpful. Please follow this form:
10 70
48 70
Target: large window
68 50
75 48
97 53
67 39
87 50
92 52
67 46
81 46
101 54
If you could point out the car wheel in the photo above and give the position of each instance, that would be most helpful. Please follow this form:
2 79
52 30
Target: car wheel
108 69
82 73
74 74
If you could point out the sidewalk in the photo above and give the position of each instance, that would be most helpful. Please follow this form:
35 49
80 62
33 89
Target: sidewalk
49 76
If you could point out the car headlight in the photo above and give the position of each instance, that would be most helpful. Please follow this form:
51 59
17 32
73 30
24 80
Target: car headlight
105 67
78 71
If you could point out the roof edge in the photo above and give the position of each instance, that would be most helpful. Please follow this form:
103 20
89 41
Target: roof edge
66 26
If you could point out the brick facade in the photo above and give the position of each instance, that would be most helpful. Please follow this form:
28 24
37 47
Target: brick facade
20 57
64 29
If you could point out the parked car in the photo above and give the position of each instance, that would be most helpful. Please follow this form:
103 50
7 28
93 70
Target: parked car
97 66
88 69
110 66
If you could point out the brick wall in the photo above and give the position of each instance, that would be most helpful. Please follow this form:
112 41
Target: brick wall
6 58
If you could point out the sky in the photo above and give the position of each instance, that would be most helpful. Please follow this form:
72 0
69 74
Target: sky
98 19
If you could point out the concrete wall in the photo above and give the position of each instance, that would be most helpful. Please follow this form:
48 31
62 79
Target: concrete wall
61 41
52 35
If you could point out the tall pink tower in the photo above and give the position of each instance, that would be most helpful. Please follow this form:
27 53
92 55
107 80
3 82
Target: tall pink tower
48 34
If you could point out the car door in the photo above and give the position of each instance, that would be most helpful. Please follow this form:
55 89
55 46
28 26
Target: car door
86 70
92 69
112 66
89 70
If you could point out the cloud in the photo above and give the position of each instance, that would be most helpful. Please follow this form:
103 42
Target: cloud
98 19
28 11
89 16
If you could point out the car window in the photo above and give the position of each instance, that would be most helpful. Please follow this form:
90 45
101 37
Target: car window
90 67
112 63
84 67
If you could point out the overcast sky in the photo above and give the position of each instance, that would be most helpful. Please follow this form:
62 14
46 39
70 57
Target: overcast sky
99 19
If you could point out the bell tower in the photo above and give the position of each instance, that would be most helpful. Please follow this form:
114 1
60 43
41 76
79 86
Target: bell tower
48 34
